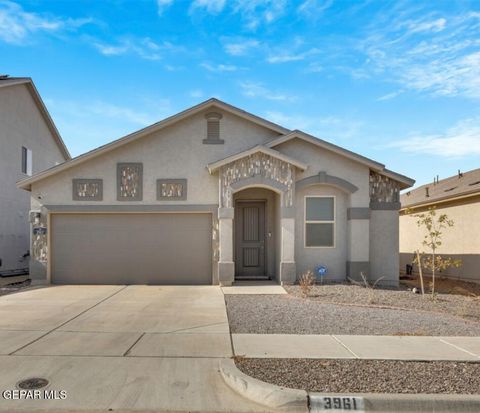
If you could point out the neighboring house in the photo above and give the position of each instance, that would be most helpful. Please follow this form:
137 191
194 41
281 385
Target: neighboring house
459 198
29 143
211 195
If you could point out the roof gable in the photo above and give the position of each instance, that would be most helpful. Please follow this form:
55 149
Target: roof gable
210 104
373 165
12 81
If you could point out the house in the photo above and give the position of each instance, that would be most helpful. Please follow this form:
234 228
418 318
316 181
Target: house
211 195
459 197
29 143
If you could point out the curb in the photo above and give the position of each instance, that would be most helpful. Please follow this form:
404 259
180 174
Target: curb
403 403
270 395
295 400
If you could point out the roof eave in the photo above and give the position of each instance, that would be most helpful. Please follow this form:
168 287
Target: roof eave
212 102
325 145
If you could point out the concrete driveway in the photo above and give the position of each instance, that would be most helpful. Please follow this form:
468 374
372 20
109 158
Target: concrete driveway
117 347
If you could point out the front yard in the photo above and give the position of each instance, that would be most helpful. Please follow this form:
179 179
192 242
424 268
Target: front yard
348 309
351 309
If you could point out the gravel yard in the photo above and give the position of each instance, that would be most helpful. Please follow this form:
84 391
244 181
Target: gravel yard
287 314
454 304
366 376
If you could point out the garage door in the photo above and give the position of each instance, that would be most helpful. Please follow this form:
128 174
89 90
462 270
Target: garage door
131 248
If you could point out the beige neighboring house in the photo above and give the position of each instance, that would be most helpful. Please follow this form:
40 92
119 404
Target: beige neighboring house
459 197
29 143
212 195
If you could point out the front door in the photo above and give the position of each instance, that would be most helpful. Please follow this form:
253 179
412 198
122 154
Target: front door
249 239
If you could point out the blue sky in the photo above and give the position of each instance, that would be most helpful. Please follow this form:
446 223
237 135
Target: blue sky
395 81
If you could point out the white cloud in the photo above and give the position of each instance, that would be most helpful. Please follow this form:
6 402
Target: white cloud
17 26
258 90
197 93
314 67
427 54
145 48
390 96
219 68
325 127
240 47
426 26
291 56
211 6
460 141
257 12
314 8
162 5
109 110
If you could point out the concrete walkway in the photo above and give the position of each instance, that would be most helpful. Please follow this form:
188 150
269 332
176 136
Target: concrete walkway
357 347
254 287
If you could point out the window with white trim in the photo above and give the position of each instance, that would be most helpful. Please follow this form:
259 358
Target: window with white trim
319 221
26 161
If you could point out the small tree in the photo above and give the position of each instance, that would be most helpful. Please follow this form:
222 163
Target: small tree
434 225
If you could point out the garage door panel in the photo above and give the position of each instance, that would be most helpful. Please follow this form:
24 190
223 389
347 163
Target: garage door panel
132 248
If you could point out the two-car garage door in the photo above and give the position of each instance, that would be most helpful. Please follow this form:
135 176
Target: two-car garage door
150 248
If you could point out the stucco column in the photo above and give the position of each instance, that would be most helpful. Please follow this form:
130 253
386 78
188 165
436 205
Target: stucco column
288 272
226 266
358 255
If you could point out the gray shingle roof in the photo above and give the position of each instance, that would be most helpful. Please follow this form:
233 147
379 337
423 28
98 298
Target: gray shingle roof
467 183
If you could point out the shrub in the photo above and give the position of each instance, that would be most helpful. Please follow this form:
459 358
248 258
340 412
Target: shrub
307 281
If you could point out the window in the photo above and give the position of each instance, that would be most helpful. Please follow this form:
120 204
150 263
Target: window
26 161
319 221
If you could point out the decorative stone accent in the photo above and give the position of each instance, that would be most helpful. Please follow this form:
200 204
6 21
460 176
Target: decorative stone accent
383 189
87 189
171 189
216 239
257 165
40 239
129 181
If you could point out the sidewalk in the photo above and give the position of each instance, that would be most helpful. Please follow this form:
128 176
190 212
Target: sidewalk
419 348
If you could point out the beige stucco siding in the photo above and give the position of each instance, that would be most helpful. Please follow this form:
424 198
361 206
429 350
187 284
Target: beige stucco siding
174 152
460 242
384 246
321 160
334 258
21 125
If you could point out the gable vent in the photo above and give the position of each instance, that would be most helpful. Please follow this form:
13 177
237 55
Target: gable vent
213 128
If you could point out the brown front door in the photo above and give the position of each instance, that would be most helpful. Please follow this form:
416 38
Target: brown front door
249 239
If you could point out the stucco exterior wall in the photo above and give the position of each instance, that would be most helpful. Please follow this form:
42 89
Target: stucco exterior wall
177 151
384 246
462 241
174 152
334 258
21 125
322 160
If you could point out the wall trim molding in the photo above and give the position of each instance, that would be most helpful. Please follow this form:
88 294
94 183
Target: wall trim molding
132 208
358 213
261 181
324 178
385 206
